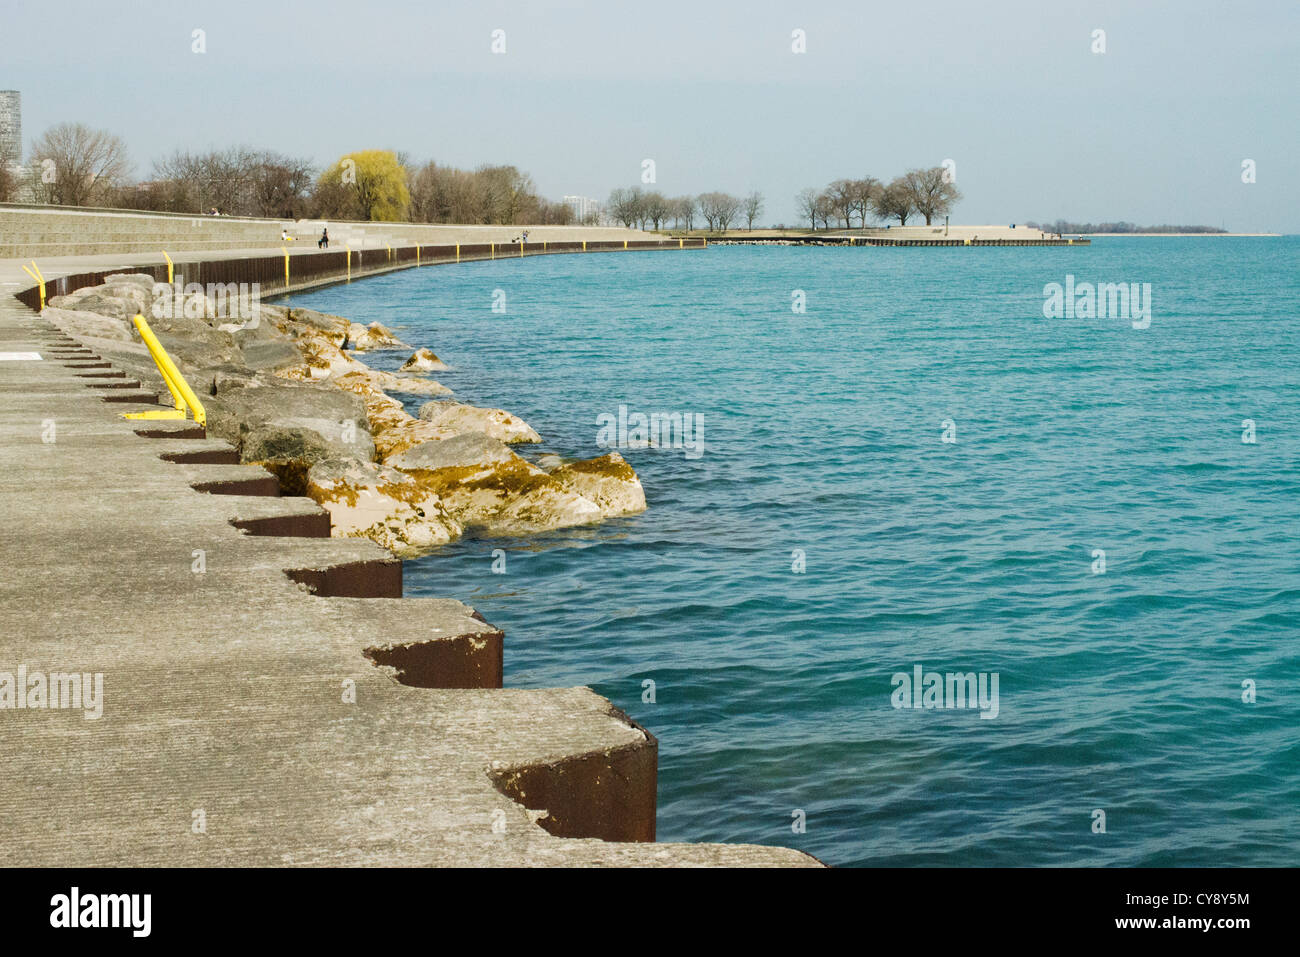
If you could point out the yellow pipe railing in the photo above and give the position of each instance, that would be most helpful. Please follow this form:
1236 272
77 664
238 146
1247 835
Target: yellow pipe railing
40 280
182 394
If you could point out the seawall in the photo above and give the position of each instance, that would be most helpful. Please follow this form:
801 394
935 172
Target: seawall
269 698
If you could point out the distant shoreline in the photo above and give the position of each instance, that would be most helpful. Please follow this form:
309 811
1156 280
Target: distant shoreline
1195 235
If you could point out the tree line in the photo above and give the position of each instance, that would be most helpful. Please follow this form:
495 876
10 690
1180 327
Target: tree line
651 209
74 165
930 193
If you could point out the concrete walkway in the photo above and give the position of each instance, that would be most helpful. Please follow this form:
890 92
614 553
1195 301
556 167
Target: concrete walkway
245 720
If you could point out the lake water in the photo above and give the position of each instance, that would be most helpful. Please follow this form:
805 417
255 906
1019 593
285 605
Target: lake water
824 431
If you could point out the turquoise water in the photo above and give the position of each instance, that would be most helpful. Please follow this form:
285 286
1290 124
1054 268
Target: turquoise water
1119 691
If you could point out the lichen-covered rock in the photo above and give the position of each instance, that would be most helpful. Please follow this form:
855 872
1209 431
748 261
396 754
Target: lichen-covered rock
458 451
322 358
497 423
382 411
374 336
409 385
362 378
423 360
544 506
334 328
402 435
608 481
382 504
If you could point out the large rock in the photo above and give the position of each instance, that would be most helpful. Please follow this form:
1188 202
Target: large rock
381 504
259 414
120 297
465 449
607 481
543 506
497 423
484 485
142 281
374 336
423 360
88 324
409 385
401 435
474 476
334 328
290 448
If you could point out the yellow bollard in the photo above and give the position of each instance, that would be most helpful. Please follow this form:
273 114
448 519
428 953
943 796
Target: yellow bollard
458 252
681 244
625 244
390 251
171 268
286 266
584 245
521 249
417 254
543 245
349 249
494 250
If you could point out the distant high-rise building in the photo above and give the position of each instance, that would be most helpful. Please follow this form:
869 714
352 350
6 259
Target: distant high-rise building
582 206
11 127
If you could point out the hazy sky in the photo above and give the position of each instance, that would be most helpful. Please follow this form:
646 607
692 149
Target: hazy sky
1153 131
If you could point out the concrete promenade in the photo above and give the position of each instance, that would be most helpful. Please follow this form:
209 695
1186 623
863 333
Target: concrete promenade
267 699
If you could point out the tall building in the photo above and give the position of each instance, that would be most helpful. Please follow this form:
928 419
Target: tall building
582 206
11 127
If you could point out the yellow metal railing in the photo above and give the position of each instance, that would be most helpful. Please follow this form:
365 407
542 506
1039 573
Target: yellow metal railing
182 395
35 273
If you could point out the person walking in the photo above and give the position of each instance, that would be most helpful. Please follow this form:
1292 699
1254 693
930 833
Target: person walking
324 241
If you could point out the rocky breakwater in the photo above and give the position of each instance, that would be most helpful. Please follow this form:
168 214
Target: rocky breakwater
288 388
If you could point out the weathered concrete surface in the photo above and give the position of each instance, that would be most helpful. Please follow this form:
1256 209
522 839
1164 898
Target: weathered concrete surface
224 689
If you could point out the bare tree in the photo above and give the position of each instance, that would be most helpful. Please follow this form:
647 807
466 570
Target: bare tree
826 209
931 191
753 205
895 202
279 185
718 210
842 195
622 206
807 200
684 211
217 179
658 208
74 165
8 182
863 197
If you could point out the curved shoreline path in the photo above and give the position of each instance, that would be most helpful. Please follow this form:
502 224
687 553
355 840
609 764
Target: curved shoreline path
243 717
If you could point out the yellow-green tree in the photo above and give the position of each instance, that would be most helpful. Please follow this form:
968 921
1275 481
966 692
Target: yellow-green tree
369 185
